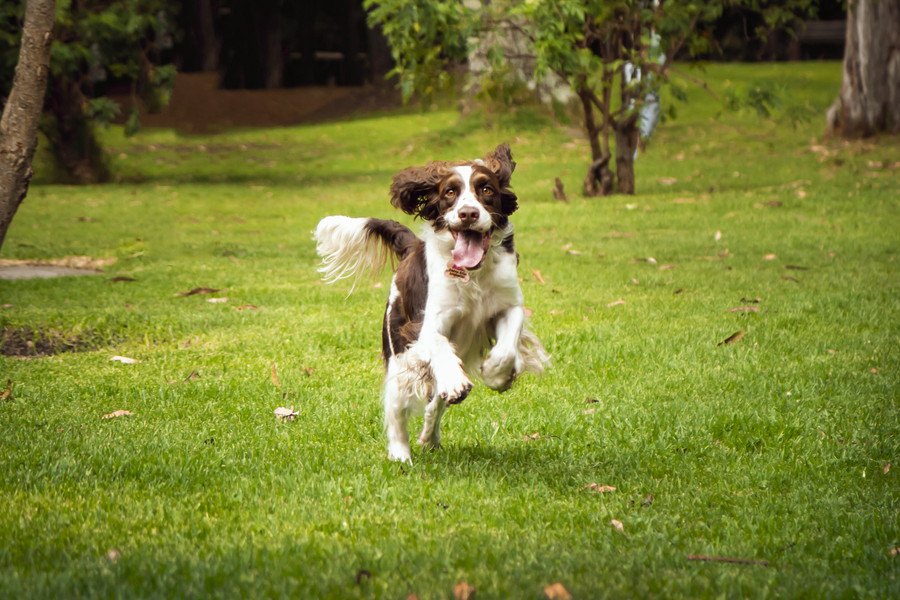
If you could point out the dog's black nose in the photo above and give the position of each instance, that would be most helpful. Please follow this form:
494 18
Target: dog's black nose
468 215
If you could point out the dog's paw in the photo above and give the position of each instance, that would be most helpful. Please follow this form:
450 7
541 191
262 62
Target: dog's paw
450 382
499 371
399 453
430 443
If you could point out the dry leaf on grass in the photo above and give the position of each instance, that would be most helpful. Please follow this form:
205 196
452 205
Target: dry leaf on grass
274 376
363 575
718 235
885 469
895 551
198 290
600 489
113 555
530 437
117 413
618 525
648 500
463 591
734 337
770 256
286 414
122 279
217 300
667 180
666 267
744 309
124 360
6 394
618 302
557 591
537 276
246 307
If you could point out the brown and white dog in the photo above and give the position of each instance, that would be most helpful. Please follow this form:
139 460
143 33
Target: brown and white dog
455 307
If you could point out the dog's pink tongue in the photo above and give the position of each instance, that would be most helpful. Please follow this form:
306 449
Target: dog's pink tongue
469 249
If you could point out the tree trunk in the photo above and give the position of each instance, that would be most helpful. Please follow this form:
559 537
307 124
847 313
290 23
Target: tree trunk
869 100
71 135
599 180
19 123
626 144
208 37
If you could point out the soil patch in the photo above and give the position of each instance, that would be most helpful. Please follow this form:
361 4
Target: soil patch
26 341
198 105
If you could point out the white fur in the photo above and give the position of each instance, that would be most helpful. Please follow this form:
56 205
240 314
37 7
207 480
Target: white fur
347 250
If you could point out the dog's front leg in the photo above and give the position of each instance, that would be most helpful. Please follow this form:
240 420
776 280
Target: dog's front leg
503 363
433 348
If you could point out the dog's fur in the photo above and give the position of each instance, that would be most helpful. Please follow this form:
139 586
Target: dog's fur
455 306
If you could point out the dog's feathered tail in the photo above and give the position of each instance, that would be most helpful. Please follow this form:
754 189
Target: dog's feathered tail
352 247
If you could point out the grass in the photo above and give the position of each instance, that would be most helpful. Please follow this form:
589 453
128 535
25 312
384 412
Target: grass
776 447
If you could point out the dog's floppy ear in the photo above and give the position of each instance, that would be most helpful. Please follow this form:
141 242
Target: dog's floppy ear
414 190
501 163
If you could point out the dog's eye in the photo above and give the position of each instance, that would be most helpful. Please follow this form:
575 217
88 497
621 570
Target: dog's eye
450 193
487 191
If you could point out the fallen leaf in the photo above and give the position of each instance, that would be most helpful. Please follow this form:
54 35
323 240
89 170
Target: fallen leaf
895 551
751 300
6 394
198 290
770 256
246 307
789 278
886 469
87 220
666 267
600 489
648 500
363 575
463 591
122 279
717 236
618 525
124 360
308 371
684 201
530 437
618 302
118 413
566 247
286 414
412 596
728 559
801 193
557 591
217 300
667 180
744 309
592 401
774 203
113 555
537 276
193 376
874 370
7 305
678 291
589 411
734 337
650 260
796 268
274 376
630 206
574 252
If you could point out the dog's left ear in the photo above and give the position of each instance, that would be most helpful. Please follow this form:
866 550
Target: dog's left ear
414 190
501 163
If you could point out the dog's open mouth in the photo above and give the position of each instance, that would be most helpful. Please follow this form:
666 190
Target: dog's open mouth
469 249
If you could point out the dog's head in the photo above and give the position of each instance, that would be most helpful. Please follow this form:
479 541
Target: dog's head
469 199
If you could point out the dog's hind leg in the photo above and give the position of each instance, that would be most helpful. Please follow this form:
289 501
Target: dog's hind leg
396 413
431 428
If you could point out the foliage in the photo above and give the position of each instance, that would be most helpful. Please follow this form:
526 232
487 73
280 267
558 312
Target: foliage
99 46
612 55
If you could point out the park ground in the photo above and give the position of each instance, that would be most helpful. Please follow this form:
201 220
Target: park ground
725 355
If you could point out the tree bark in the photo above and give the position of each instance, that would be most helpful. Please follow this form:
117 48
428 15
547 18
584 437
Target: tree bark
869 100
599 180
19 123
626 144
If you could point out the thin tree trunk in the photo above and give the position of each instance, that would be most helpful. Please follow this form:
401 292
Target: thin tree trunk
598 180
869 100
209 40
71 135
19 123
626 144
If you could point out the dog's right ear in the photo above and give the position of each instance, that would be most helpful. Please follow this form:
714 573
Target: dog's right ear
414 190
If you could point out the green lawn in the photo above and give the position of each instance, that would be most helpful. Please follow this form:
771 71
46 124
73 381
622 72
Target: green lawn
775 448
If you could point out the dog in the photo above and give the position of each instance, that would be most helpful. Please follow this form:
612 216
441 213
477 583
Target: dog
455 307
